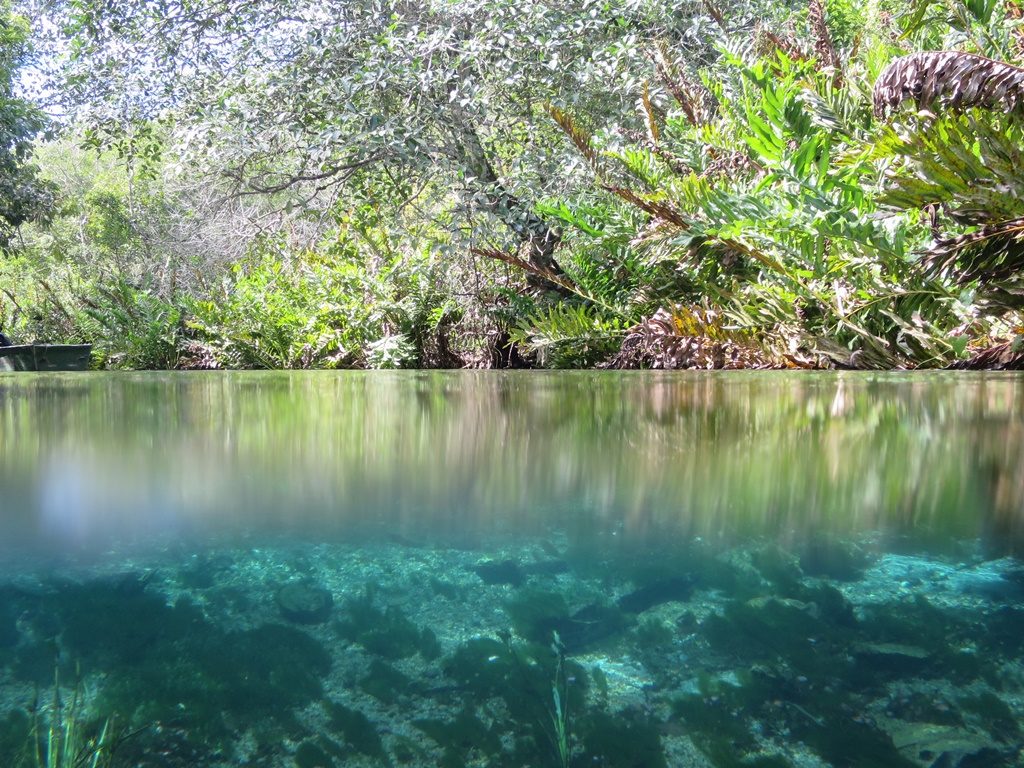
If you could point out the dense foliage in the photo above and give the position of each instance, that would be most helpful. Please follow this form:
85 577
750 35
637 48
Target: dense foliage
625 182
22 195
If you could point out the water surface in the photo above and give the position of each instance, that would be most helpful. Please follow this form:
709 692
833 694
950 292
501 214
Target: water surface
334 569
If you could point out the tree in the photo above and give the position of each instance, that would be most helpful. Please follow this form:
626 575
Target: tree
23 196
304 92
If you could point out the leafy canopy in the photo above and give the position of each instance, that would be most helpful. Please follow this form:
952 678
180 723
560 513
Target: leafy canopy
22 195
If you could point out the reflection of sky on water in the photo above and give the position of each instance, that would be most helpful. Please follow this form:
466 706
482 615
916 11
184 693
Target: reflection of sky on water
65 511
152 457
85 502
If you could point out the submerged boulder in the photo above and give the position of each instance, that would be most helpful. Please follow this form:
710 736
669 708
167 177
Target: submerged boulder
934 746
304 603
676 589
500 572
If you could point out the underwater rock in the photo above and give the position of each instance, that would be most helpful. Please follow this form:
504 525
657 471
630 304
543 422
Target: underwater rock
890 659
504 572
784 603
677 589
833 559
943 746
588 626
304 603
997 580
890 650
546 568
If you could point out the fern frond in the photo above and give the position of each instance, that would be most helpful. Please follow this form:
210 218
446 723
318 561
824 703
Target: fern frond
972 165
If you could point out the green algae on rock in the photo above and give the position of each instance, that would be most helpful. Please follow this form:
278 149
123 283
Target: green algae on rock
386 633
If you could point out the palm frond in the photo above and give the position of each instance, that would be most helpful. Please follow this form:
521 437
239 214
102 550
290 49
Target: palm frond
570 335
1005 356
949 79
1015 15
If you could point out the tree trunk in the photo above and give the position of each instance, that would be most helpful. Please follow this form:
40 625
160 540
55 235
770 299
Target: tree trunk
537 236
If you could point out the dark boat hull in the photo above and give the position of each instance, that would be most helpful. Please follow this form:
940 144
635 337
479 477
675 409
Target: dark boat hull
46 357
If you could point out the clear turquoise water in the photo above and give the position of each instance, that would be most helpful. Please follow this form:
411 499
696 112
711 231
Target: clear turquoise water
515 569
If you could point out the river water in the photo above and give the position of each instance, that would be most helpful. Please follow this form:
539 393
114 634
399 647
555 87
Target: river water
513 569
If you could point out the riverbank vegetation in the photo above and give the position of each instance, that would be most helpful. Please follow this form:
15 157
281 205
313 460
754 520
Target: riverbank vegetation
626 183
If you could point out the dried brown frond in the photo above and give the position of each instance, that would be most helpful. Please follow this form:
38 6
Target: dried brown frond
824 48
579 136
693 337
650 118
728 164
766 42
1004 356
689 96
992 253
197 356
674 162
1015 13
951 79
715 13
677 164
659 210
509 258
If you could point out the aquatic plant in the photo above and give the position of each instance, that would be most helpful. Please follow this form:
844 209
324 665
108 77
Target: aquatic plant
65 739
560 701
557 727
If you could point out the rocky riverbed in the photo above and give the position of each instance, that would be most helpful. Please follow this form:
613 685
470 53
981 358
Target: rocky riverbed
526 653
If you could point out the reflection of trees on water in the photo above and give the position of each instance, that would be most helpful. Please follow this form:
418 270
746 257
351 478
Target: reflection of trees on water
465 454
